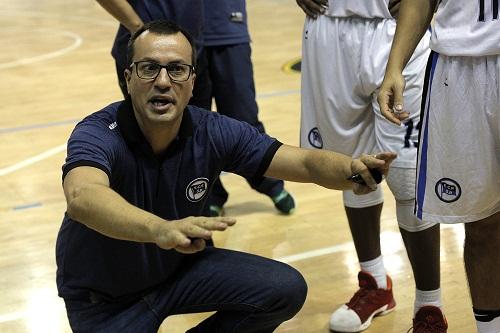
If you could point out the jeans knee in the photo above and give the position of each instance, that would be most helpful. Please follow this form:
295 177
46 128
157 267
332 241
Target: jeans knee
291 292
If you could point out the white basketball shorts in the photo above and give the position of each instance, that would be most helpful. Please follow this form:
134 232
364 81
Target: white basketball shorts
458 171
343 65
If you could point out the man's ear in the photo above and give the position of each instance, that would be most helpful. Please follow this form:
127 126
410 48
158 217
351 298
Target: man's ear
192 83
128 75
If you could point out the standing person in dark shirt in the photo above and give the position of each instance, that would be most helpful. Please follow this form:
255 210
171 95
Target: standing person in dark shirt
225 69
132 248
132 14
225 73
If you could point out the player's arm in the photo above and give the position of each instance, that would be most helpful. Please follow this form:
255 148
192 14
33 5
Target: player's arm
394 7
91 201
413 21
326 168
123 12
313 8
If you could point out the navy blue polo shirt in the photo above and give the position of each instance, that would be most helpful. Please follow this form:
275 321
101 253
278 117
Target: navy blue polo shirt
173 187
186 13
225 23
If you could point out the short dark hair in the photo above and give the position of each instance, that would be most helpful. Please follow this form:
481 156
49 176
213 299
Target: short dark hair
160 27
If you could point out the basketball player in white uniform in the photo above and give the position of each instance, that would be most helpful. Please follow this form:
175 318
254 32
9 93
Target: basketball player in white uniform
345 48
459 155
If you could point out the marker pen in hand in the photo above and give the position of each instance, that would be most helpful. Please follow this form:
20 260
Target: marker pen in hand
377 176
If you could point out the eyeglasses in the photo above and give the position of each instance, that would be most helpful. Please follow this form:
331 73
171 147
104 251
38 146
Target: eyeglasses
177 72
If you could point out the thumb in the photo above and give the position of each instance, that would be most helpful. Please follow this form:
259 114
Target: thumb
175 239
398 98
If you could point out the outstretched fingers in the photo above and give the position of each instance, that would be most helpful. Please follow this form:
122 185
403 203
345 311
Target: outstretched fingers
187 235
219 223
198 229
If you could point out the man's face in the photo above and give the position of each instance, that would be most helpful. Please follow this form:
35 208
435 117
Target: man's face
160 101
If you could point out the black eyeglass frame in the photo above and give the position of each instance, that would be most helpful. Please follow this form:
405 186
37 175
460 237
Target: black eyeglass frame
191 70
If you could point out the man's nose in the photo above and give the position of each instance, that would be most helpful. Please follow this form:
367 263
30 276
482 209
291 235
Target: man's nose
163 80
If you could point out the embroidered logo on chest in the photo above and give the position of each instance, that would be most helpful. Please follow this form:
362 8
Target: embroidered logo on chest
197 189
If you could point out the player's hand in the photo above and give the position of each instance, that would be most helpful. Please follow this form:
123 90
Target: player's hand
188 235
380 161
390 98
313 8
394 7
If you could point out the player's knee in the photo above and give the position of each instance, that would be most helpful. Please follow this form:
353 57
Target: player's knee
362 201
407 219
484 232
401 181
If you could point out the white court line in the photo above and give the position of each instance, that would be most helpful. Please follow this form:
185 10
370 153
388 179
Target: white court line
391 243
32 160
390 240
12 316
77 41
71 18
317 253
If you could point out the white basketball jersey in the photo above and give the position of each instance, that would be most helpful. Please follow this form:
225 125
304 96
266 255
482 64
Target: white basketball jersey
360 8
466 28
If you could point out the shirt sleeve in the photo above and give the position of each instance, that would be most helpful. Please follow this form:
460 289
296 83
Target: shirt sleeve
90 144
241 147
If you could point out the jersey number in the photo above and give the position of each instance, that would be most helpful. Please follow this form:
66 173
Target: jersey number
494 4
409 131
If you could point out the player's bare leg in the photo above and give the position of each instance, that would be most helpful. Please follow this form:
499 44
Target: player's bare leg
423 251
365 229
374 296
482 264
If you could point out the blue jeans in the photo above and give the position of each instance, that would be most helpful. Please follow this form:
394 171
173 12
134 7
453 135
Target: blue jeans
249 294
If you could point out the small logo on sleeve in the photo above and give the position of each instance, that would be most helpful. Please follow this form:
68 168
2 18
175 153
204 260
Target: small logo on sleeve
314 138
197 189
236 17
448 190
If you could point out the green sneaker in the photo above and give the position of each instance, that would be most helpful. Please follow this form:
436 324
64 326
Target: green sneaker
284 202
216 211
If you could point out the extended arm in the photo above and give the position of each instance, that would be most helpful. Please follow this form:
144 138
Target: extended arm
313 8
413 21
123 12
91 201
326 168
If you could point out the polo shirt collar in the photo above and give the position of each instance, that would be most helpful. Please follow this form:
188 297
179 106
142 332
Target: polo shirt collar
132 132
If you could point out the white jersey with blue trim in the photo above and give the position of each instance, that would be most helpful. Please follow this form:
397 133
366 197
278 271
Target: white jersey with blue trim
359 8
466 28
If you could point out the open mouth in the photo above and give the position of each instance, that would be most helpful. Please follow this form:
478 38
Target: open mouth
161 102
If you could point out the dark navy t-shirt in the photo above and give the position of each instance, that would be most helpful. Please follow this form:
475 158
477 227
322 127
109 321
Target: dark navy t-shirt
225 23
186 13
173 187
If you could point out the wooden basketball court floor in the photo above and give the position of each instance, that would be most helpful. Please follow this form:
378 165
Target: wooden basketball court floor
55 68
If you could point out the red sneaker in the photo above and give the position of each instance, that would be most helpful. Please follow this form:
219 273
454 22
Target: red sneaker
429 319
369 301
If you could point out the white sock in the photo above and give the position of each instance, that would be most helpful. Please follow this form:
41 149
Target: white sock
427 297
376 268
489 323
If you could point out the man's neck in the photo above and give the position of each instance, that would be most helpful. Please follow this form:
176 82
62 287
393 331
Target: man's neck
160 136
